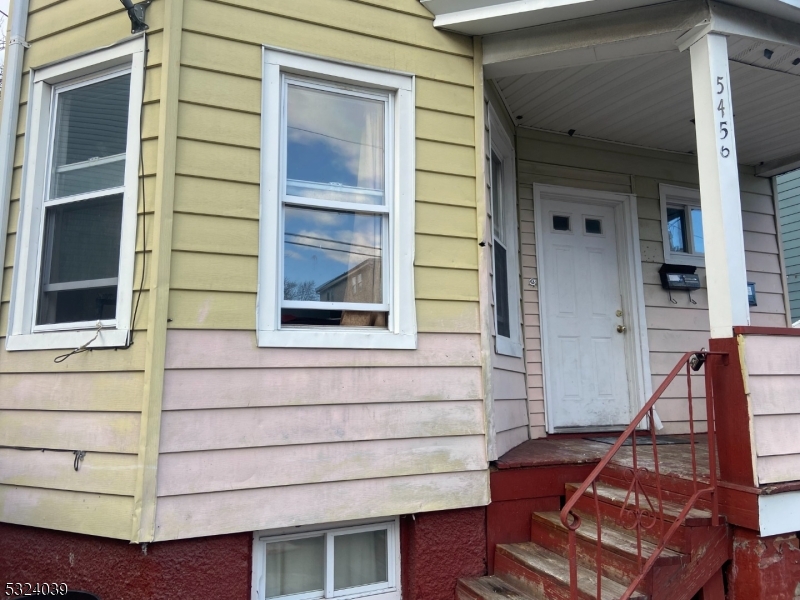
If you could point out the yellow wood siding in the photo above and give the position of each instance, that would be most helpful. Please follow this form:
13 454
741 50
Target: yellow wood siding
672 329
93 400
219 129
404 428
377 416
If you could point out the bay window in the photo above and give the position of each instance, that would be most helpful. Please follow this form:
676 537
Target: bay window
75 247
337 206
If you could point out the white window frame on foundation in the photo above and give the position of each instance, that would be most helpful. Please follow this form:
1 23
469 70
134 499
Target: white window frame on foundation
398 239
685 198
46 83
390 590
503 148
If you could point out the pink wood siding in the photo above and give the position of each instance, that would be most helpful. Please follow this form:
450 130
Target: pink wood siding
773 379
672 329
255 435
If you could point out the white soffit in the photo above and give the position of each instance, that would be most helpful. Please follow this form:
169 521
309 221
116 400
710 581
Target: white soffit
481 17
647 101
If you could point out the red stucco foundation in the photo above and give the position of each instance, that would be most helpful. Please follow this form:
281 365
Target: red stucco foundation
436 550
212 567
764 568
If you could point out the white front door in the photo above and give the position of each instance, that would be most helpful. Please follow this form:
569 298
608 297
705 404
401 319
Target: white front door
582 316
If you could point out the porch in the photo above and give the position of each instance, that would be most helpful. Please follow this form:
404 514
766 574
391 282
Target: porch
644 225
534 475
626 175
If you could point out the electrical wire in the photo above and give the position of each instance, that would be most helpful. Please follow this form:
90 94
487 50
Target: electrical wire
144 198
62 357
76 464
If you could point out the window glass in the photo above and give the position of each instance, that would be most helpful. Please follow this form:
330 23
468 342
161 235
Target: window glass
501 285
498 216
331 256
697 231
90 137
594 226
360 559
335 146
334 153
295 566
80 261
560 223
676 229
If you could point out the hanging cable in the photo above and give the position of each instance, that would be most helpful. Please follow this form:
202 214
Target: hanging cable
76 464
144 198
62 357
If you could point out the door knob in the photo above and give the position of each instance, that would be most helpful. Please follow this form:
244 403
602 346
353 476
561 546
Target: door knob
621 329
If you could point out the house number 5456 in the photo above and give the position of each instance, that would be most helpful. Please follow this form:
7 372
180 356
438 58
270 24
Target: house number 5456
721 108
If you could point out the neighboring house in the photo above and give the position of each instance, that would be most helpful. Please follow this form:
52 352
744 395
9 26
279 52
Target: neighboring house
322 298
789 201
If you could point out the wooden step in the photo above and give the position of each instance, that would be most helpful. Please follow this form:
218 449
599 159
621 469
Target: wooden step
610 501
615 496
489 588
544 574
613 539
673 488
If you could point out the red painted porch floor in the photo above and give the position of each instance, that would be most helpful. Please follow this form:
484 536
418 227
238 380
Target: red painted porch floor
674 459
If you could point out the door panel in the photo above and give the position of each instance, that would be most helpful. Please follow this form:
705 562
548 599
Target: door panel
587 384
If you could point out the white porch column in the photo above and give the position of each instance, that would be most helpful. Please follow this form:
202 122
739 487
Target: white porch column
719 186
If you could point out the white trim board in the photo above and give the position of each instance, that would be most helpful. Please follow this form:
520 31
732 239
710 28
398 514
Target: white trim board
637 347
779 513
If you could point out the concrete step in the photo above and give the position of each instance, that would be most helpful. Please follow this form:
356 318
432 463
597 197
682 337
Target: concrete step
489 588
541 573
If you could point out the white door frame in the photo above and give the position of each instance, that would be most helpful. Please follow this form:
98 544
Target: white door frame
637 348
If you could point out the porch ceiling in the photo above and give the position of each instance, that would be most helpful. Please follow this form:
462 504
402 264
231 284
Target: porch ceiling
481 17
647 101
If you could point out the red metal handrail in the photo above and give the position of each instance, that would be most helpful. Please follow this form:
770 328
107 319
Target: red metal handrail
691 361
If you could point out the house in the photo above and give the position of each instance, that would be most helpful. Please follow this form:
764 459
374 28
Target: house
788 200
510 237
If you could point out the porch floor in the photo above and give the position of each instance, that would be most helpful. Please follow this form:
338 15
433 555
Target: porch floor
674 459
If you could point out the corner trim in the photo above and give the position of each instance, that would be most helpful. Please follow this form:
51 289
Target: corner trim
143 518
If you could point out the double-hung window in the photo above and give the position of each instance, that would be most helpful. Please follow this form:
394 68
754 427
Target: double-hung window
505 263
337 206
682 225
348 562
78 216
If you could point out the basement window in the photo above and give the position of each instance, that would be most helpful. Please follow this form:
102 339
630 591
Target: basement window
682 226
346 563
76 242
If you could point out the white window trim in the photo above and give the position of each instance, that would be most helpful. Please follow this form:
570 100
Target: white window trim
675 195
377 592
401 330
22 334
501 145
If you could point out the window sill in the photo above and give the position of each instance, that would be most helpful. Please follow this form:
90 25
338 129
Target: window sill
694 260
340 338
67 340
507 347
